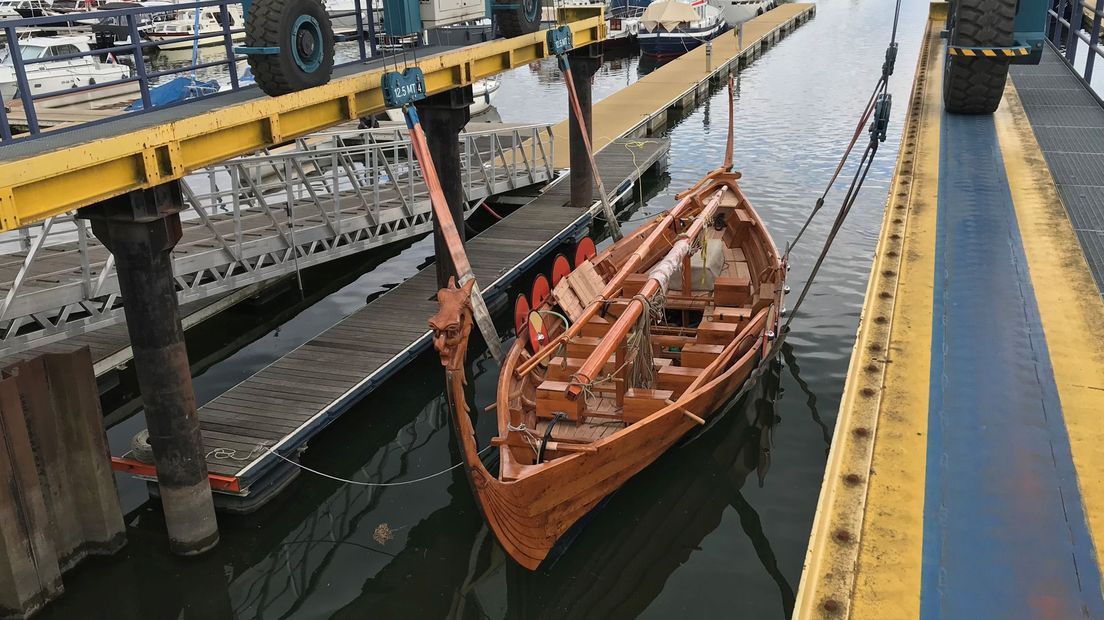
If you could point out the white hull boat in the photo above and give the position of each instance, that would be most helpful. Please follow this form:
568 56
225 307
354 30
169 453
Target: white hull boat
736 12
178 34
60 75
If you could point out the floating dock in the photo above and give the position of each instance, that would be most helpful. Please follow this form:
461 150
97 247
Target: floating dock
287 402
282 406
964 478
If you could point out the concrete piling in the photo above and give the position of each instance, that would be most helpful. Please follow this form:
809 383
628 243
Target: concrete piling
584 64
443 117
140 229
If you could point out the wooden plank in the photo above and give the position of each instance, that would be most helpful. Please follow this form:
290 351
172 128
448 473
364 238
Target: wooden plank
247 420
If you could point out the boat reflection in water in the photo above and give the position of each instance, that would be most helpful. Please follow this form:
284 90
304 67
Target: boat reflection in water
620 563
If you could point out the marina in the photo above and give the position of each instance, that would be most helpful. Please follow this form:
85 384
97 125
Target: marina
524 344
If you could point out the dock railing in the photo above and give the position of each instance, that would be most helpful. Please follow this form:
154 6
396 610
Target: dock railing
1064 30
254 218
126 31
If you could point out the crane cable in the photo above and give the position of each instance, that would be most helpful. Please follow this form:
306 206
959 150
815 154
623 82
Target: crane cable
879 107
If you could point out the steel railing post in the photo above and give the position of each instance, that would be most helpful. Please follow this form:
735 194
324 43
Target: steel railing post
139 61
1094 40
25 95
5 128
228 42
372 27
360 29
1071 31
1059 10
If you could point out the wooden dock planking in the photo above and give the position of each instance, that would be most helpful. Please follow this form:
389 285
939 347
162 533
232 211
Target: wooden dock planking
286 402
632 111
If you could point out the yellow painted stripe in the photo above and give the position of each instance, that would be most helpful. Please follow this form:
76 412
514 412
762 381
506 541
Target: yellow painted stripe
989 52
1070 306
865 554
37 186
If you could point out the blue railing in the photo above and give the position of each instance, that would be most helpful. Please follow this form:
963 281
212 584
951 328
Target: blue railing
1066 25
135 51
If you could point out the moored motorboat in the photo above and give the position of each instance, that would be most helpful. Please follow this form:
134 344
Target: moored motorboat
736 12
183 32
619 358
54 76
674 27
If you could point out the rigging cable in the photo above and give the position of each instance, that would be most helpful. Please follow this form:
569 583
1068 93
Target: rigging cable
879 107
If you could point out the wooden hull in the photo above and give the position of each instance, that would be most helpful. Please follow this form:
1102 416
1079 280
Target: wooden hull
628 352
527 520
673 506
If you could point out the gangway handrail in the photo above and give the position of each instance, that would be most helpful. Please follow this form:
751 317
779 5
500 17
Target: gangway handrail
361 195
1063 35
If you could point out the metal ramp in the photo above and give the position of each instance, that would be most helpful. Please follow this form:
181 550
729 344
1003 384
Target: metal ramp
255 218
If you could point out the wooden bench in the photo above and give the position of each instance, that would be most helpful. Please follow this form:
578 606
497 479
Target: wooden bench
716 332
732 291
551 398
724 314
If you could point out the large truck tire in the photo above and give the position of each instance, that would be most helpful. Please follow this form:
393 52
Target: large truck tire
975 85
522 17
302 31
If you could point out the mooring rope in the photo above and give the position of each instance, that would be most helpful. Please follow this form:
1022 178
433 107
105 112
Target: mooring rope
230 453
848 201
878 107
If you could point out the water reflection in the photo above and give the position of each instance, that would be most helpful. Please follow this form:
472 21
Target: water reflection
630 547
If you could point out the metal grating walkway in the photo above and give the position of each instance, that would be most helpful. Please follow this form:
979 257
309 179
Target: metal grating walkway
1068 121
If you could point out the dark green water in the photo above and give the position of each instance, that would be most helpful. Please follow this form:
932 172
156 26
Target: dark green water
694 535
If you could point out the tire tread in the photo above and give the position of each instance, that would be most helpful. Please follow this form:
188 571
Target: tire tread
976 85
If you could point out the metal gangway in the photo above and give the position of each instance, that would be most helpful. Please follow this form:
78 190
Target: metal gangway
250 219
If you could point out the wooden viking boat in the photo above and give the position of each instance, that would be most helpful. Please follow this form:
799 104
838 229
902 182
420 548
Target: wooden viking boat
629 351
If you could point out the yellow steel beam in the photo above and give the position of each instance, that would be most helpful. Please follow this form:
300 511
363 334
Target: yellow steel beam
38 186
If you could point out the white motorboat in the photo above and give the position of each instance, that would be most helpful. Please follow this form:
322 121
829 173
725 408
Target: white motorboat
484 93
674 27
15 9
58 75
343 13
178 34
736 12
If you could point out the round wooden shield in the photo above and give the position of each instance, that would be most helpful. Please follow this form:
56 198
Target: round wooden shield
521 314
560 268
538 335
541 291
585 251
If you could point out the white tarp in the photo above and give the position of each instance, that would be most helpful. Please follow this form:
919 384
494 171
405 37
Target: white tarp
668 13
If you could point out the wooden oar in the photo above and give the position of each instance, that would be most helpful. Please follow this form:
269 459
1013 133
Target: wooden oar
452 236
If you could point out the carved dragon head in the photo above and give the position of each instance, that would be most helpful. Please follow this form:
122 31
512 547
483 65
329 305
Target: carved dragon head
453 324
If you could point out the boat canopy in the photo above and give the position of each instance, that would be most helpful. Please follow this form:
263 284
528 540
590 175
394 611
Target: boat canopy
669 14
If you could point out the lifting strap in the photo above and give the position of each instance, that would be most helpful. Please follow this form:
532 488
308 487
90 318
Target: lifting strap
449 232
